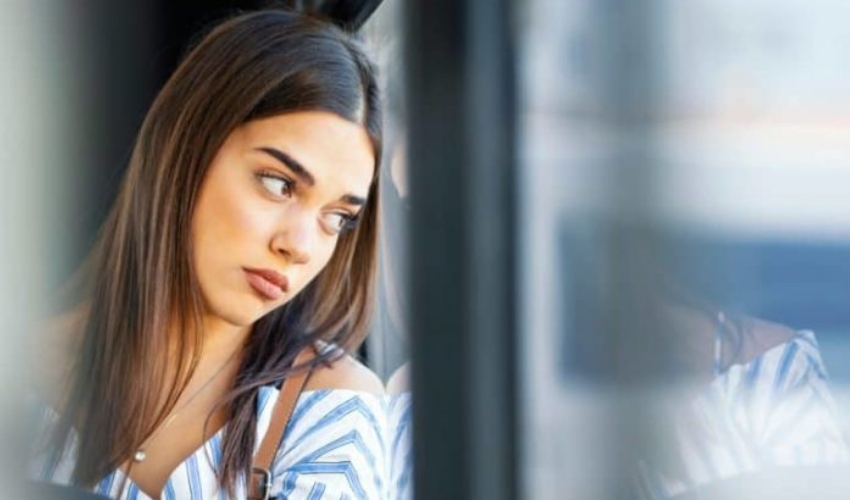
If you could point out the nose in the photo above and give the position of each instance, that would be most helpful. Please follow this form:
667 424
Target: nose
296 236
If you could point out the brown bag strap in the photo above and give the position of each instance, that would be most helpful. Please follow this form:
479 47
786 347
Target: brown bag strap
259 488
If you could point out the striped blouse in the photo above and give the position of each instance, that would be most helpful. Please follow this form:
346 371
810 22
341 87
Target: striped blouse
334 447
401 446
775 410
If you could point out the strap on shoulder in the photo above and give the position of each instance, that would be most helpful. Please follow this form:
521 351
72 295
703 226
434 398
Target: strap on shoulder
259 488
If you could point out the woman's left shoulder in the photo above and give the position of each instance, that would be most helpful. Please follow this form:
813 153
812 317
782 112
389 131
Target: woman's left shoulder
798 356
345 373
771 349
335 441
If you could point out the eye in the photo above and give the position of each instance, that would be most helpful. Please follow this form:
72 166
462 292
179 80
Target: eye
340 222
276 184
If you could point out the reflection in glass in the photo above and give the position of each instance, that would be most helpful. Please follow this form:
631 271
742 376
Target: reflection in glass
683 171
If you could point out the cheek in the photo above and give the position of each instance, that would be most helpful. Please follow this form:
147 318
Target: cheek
224 222
319 262
325 256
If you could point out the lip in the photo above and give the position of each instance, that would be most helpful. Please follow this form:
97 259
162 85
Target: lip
267 282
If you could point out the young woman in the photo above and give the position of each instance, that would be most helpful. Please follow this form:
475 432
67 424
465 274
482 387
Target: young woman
244 234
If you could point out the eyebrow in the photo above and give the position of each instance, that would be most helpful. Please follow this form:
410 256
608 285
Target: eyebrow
305 174
290 162
354 200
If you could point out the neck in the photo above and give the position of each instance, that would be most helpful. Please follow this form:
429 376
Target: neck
221 336
217 336
220 342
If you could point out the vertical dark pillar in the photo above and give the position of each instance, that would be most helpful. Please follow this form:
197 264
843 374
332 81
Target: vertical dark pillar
462 170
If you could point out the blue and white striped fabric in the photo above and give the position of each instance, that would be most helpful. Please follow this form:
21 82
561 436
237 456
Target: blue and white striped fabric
401 446
334 448
775 410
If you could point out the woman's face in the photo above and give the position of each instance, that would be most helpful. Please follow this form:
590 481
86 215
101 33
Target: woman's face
271 208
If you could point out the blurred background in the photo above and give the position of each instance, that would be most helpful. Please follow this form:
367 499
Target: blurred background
712 136
547 161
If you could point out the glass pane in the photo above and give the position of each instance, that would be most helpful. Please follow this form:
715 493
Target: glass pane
686 248
388 341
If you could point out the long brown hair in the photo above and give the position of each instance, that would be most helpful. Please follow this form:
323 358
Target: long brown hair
139 279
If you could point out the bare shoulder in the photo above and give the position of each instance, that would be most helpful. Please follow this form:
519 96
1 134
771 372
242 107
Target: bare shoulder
56 341
771 332
60 335
345 373
399 381
759 336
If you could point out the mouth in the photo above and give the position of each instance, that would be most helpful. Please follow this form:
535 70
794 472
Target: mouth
268 283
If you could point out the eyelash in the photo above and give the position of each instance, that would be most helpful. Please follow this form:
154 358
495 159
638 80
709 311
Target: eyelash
349 221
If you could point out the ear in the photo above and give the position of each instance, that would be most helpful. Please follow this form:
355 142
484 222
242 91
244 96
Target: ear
350 15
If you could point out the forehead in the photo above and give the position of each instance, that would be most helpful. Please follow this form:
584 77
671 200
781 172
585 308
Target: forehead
337 152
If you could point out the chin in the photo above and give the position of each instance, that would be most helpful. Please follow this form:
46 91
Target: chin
239 310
